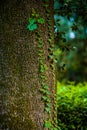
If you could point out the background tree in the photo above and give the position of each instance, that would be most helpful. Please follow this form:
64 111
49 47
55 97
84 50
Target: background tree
26 71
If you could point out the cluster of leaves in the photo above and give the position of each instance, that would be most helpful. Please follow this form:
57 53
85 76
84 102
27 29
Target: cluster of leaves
72 106
45 88
34 21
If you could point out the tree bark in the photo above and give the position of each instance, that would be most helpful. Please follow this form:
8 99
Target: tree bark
21 104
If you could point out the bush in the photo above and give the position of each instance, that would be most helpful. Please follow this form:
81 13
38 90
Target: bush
72 106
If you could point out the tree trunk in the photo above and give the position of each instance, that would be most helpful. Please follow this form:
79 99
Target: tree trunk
21 77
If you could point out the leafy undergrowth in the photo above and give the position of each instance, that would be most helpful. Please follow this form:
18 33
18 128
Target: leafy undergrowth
72 106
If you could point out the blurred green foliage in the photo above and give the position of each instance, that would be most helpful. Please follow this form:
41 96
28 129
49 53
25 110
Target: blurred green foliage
71 39
72 106
72 64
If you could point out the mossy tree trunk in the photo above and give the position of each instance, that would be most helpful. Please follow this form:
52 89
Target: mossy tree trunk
21 105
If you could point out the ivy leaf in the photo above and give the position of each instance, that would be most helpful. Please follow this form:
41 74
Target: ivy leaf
42 90
43 77
45 91
49 40
47 124
47 109
48 100
31 21
32 27
48 104
44 98
55 129
51 56
37 15
41 20
46 86
55 61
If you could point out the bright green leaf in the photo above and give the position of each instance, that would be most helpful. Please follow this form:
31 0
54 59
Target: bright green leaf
31 21
32 27
47 109
47 124
46 86
44 98
41 20
48 104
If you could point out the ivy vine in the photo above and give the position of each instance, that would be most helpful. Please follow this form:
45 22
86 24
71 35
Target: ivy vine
33 24
34 21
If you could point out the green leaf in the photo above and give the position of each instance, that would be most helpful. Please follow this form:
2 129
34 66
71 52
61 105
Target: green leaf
40 46
39 54
51 56
45 91
46 5
43 84
41 51
32 27
37 15
47 124
42 90
41 61
43 77
49 40
44 98
47 109
46 86
41 20
46 67
31 21
48 100
48 104
55 129
47 14
55 61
